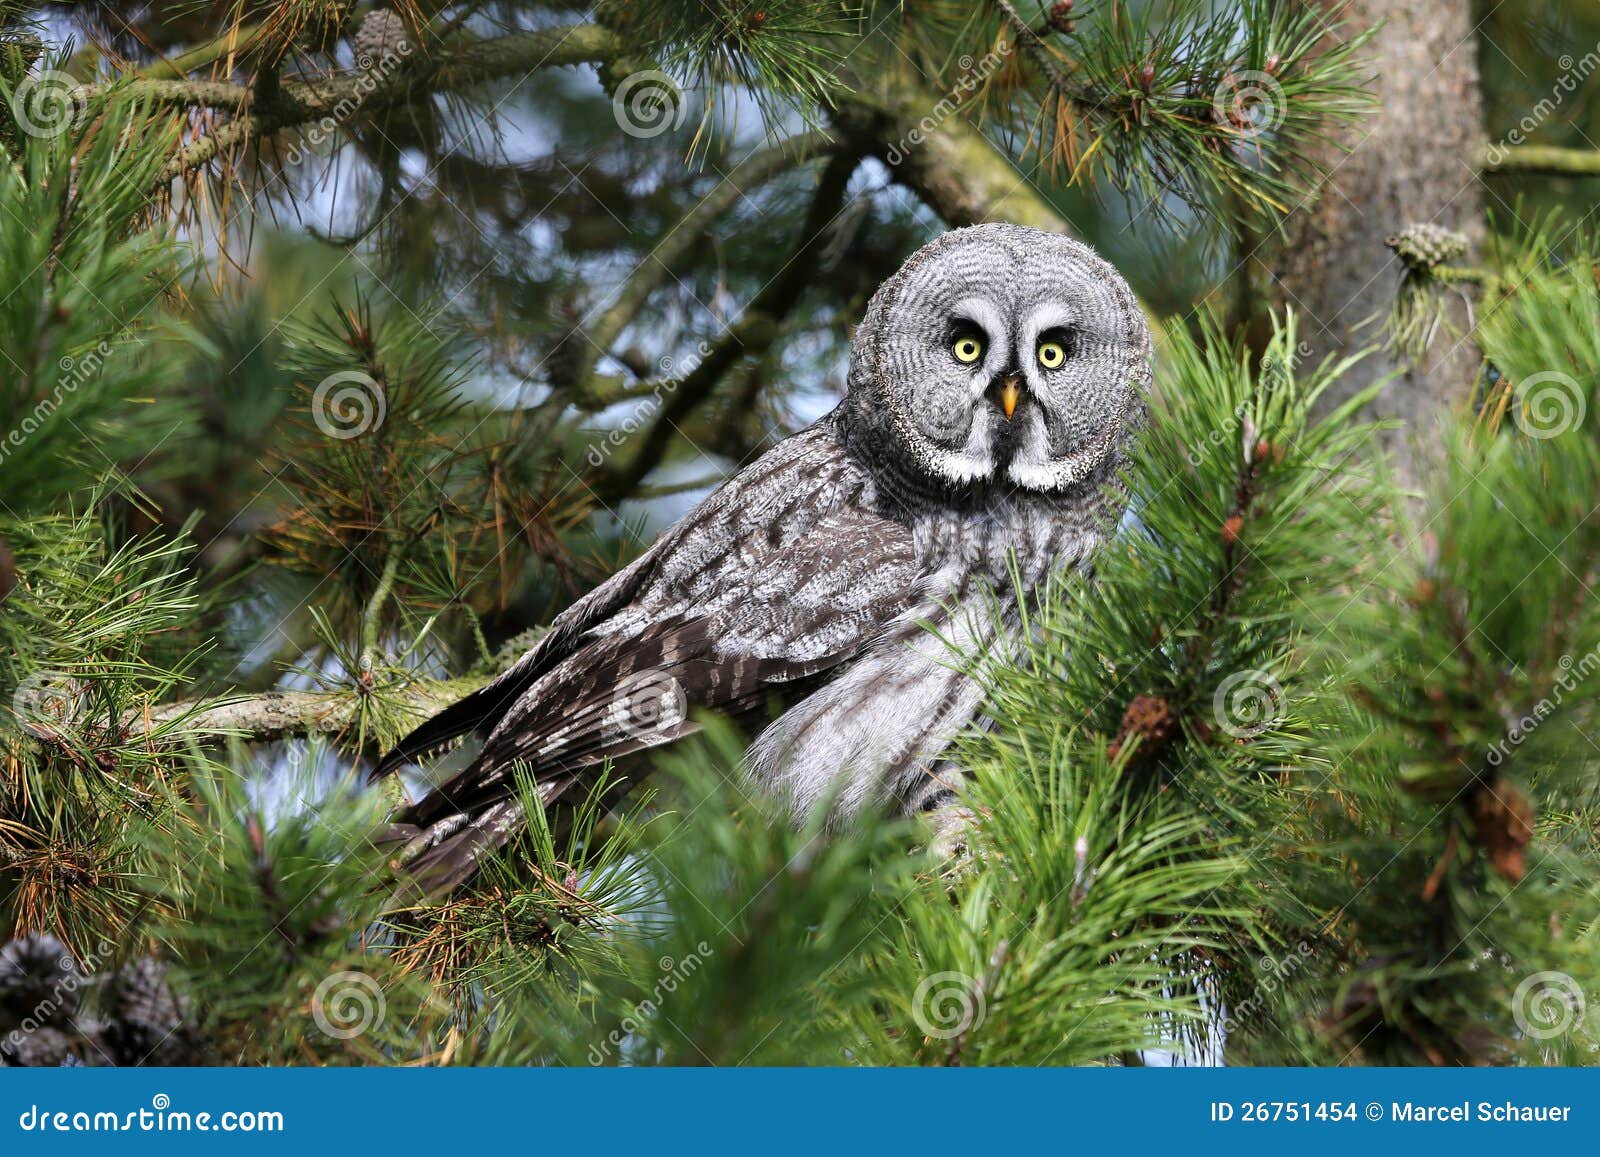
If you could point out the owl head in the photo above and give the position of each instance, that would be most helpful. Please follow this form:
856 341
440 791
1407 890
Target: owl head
999 354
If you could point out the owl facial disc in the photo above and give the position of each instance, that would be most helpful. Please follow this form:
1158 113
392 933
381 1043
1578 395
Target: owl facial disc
1001 355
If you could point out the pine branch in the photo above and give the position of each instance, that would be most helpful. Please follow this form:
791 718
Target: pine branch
1545 160
952 167
275 715
452 69
238 40
670 252
751 336
372 613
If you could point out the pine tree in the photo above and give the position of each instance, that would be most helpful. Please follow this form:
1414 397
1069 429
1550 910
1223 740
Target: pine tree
1301 775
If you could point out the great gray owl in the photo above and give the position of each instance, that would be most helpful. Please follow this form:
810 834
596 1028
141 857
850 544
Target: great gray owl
993 383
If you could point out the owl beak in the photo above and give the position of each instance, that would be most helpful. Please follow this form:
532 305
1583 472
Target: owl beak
1009 394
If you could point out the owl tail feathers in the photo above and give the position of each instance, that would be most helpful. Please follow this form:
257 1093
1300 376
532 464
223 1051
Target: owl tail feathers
439 845
479 711
440 856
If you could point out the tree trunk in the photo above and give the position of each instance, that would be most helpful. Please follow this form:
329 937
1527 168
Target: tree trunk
1410 160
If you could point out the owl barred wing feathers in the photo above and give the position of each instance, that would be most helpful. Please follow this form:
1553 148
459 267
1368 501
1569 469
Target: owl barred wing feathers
994 383
488 704
780 575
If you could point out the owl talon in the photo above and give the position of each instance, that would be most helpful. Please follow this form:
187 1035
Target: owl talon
949 832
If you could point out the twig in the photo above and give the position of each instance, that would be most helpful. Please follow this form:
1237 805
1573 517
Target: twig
1544 159
459 67
372 612
682 238
275 715
753 334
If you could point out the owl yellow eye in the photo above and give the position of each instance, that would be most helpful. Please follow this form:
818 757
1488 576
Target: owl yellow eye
967 349
1051 354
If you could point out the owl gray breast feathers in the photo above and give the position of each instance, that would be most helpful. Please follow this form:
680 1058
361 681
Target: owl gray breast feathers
993 384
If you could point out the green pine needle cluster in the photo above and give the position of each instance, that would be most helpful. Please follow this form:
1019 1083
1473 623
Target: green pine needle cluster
1179 104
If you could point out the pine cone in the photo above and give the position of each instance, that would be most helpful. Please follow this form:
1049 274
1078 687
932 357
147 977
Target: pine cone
1061 16
132 1017
42 1048
1150 719
1422 247
382 36
1503 819
39 983
144 1020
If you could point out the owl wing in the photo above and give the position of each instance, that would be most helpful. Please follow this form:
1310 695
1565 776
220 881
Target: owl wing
782 574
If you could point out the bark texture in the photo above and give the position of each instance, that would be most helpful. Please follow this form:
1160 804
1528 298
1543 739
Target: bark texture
272 715
1413 159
